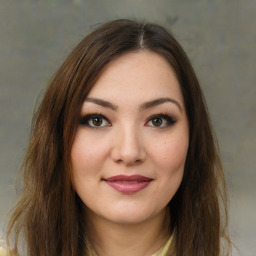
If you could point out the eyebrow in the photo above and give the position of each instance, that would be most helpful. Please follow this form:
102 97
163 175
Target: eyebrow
156 102
146 105
102 103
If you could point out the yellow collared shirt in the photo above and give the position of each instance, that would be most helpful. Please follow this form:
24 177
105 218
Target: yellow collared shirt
162 251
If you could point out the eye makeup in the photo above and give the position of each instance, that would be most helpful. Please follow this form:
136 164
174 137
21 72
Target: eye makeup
161 121
95 120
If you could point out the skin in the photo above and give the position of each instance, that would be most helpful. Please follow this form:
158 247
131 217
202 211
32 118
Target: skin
130 142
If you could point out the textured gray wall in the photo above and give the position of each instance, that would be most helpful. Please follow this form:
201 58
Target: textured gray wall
220 38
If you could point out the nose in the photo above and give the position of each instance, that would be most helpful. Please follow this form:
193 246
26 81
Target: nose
128 148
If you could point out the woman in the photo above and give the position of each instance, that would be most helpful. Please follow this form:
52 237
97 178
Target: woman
122 160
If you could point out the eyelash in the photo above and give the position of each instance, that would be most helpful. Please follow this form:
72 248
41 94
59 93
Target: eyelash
87 118
166 117
85 121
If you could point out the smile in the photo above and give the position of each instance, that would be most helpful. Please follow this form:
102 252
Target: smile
128 184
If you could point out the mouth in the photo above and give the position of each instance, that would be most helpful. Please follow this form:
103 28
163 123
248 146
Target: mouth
128 184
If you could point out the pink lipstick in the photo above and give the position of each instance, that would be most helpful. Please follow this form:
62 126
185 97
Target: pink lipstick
128 184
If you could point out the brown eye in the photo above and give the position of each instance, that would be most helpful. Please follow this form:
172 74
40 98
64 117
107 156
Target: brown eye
157 121
96 121
161 121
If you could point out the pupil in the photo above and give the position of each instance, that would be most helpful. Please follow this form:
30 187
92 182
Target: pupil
97 121
157 121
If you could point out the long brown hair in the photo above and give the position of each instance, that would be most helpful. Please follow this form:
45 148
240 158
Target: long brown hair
48 217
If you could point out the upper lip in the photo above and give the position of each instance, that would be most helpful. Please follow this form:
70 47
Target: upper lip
135 177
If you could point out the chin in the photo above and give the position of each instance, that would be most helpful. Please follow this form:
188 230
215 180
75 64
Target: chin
125 219
130 216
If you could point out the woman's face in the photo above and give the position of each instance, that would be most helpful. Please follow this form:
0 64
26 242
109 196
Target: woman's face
130 148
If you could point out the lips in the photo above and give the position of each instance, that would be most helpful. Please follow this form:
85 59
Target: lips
128 184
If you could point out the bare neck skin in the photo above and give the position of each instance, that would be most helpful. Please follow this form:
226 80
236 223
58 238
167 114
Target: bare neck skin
114 239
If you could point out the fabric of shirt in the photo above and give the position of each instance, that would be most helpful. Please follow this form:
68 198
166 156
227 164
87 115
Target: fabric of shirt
162 251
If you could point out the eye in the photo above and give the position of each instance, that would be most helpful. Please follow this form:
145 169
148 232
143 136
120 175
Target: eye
95 121
160 121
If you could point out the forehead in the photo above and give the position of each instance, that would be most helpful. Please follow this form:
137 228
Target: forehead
141 74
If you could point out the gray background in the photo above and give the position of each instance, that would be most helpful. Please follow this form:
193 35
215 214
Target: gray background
219 37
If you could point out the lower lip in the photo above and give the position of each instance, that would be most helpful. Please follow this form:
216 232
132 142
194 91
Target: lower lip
128 188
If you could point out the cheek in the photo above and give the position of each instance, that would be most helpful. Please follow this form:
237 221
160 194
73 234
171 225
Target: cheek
171 153
169 157
170 160
85 165
86 151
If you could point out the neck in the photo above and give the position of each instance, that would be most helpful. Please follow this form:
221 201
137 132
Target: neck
117 239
